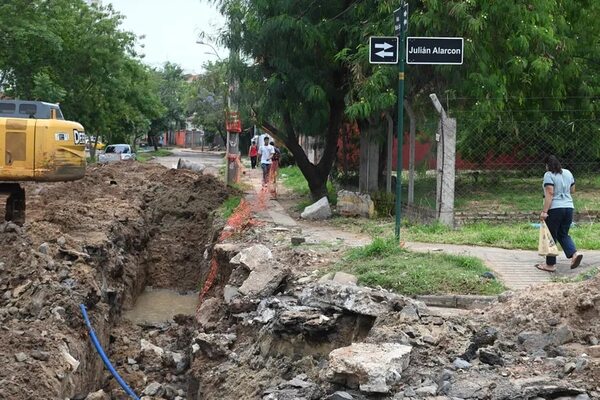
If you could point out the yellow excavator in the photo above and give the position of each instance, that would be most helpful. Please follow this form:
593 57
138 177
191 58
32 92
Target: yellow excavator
36 144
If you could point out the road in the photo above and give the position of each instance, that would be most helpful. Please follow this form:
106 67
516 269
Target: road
207 158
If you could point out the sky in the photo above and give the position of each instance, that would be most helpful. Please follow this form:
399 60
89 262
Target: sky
171 28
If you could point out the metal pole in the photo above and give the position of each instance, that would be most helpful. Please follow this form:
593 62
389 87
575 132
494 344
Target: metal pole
400 135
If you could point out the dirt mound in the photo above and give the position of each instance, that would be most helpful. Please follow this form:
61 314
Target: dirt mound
96 241
544 307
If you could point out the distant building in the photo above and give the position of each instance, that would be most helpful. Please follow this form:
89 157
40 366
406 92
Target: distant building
94 2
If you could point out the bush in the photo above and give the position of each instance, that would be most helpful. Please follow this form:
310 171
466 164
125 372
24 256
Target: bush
287 159
349 179
384 203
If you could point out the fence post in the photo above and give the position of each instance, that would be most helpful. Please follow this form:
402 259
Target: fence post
411 151
446 165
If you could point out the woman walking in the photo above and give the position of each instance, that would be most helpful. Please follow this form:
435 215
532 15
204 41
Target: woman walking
557 211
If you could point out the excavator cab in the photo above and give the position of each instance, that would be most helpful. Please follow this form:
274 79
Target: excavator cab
36 144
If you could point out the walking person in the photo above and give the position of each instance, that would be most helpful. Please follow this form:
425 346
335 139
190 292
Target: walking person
253 153
557 211
266 153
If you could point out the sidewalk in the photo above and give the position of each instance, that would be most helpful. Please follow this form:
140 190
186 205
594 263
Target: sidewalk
514 267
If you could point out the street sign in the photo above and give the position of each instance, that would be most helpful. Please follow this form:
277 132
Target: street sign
434 50
401 20
383 50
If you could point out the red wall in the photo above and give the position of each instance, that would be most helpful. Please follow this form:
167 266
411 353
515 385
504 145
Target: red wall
424 153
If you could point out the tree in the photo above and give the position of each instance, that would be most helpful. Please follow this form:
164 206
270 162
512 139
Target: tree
172 91
538 62
208 100
299 86
68 52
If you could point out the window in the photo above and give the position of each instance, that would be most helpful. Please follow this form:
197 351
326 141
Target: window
28 109
7 108
118 149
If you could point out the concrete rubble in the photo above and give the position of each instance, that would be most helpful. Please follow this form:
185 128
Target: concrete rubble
353 204
373 368
318 210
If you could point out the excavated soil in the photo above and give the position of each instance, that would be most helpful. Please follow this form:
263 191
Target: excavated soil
98 241
257 335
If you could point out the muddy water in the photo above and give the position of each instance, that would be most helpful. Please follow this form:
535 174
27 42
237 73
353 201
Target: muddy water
160 305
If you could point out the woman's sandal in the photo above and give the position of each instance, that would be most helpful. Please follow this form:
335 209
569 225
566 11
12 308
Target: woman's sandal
544 267
576 261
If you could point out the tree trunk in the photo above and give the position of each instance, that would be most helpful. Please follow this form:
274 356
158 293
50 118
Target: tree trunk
316 175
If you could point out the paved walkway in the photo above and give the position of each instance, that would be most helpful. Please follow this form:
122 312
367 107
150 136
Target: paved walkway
514 267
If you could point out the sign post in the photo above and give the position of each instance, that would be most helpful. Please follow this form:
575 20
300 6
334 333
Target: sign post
401 26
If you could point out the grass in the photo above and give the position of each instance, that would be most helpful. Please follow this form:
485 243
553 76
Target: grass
507 236
584 276
292 178
501 193
383 263
229 206
147 156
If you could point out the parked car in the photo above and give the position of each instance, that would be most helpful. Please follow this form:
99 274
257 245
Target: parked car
116 152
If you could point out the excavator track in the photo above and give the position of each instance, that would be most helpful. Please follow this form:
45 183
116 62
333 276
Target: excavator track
15 203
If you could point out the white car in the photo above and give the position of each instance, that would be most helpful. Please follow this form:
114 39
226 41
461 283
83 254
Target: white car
116 152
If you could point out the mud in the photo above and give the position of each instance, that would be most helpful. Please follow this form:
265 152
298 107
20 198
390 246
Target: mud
97 241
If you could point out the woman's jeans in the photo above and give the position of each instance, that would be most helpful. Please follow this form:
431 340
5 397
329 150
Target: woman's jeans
559 221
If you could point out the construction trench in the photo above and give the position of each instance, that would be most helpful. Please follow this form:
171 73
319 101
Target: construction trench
140 245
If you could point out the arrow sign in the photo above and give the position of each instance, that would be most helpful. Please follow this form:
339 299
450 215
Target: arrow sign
384 54
383 50
384 45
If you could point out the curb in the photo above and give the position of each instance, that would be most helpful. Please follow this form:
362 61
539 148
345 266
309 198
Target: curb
467 302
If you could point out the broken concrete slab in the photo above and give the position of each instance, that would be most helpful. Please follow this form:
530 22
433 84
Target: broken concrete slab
253 257
345 278
214 345
373 368
264 279
353 204
355 299
317 211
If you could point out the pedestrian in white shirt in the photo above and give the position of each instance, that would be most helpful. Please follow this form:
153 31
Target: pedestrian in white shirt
266 153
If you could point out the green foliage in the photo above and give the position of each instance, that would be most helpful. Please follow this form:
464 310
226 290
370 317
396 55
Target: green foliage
293 179
67 51
172 92
584 276
384 203
208 99
294 85
509 236
545 68
384 263
229 206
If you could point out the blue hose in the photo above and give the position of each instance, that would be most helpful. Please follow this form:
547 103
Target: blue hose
102 354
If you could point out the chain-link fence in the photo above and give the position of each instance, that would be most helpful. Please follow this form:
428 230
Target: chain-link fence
499 166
